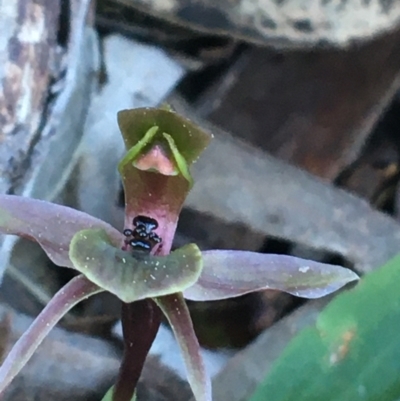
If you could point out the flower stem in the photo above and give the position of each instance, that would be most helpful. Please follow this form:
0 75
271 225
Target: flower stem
140 323
78 289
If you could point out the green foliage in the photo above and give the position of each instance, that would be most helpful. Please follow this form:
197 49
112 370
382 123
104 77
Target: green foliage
352 353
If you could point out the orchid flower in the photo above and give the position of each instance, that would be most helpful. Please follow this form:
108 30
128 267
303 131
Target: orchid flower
138 266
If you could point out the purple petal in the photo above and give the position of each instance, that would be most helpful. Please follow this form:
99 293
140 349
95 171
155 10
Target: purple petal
228 274
49 224
177 313
157 196
74 292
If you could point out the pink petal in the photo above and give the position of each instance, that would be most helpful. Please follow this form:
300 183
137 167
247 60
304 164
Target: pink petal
228 274
78 289
177 313
49 224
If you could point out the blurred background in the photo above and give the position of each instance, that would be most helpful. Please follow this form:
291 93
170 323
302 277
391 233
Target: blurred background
302 98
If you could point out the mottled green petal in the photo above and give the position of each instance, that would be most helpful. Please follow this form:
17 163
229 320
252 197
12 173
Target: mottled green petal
133 278
189 138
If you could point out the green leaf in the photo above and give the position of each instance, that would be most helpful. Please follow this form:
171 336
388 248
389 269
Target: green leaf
129 277
352 353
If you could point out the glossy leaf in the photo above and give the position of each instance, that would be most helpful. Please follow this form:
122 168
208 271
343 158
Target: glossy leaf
352 353
177 313
78 289
160 145
49 224
132 278
229 274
